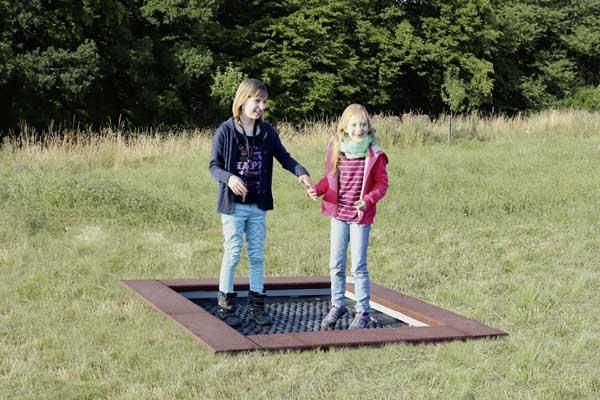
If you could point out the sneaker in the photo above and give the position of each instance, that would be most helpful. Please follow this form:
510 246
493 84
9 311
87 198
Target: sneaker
332 317
361 320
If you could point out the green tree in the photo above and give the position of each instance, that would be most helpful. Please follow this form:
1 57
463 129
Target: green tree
458 41
547 50
225 83
47 70
391 56
311 59
178 61
175 50
582 39
94 61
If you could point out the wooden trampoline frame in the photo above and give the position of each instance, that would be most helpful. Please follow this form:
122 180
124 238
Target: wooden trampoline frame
210 331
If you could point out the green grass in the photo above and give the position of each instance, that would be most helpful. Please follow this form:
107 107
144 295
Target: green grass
504 230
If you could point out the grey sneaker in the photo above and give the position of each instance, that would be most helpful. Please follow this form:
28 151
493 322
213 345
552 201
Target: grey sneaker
361 320
332 317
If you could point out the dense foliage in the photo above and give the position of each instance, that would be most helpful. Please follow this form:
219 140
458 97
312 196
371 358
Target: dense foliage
177 61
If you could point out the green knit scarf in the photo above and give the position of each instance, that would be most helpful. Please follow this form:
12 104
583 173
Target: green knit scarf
356 149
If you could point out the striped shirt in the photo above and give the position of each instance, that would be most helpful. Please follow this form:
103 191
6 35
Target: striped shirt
351 172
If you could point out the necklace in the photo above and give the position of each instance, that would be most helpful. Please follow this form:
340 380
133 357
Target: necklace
249 146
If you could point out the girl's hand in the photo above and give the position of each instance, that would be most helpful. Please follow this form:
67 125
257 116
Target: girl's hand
237 186
309 186
306 181
312 193
360 205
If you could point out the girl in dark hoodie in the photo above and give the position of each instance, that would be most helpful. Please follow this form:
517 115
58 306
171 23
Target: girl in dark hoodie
242 162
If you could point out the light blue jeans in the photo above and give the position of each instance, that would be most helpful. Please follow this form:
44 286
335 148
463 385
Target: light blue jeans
248 220
357 236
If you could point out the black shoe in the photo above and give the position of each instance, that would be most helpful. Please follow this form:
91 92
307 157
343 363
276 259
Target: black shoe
256 309
226 311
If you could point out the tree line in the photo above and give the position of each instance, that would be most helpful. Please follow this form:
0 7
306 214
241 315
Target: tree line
178 62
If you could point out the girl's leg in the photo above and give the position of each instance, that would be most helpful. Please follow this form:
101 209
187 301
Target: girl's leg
255 238
359 241
233 234
340 236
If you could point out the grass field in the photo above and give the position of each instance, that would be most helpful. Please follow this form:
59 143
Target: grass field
501 226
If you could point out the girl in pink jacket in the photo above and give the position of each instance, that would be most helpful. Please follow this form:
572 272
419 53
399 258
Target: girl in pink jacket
355 180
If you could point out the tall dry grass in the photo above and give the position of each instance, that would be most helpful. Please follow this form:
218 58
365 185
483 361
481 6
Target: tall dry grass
112 147
417 129
107 148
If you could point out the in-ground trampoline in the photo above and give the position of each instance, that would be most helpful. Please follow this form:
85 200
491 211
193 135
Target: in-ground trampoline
297 305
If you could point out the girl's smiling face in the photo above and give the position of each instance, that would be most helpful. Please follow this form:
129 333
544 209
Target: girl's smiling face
357 128
254 107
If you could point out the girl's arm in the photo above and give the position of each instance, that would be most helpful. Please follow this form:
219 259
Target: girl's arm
216 165
381 184
285 159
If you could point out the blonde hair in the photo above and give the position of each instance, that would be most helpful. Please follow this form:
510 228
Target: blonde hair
247 89
351 111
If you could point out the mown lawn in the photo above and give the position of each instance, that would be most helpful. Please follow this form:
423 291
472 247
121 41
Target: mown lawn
503 230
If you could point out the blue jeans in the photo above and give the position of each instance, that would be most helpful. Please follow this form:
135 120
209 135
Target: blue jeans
357 235
248 220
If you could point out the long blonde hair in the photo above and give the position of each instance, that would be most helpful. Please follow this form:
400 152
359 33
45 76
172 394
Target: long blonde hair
247 89
336 140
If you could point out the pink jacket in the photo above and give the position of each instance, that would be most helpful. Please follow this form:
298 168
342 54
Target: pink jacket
375 184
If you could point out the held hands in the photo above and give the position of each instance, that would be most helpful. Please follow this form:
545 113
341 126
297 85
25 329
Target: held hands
312 193
309 186
237 186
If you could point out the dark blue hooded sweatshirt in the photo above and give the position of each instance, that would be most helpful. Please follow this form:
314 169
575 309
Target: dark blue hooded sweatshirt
225 155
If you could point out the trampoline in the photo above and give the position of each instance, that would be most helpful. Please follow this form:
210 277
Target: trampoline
292 311
297 305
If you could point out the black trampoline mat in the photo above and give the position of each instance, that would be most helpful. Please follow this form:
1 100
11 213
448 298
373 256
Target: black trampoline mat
297 314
